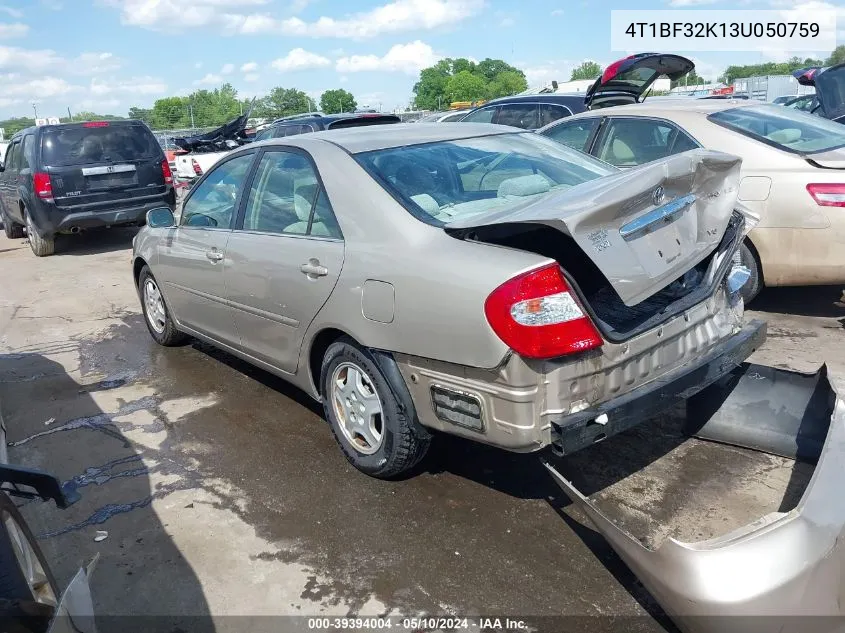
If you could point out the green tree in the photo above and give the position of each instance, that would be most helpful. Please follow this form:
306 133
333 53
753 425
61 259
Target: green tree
437 84
281 102
837 56
338 100
587 70
170 113
144 114
505 83
769 68
16 124
465 86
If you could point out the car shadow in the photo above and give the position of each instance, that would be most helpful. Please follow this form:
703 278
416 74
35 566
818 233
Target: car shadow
814 301
142 582
96 241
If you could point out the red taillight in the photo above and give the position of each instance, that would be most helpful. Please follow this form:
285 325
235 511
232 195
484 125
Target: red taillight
43 187
165 170
196 166
828 194
96 124
537 315
610 72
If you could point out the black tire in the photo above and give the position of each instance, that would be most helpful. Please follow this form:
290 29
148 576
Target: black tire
169 336
41 246
755 282
404 441
19 611
13 230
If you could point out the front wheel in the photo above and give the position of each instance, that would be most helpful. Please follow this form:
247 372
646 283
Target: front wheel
754 284
28 592
156 315
377 434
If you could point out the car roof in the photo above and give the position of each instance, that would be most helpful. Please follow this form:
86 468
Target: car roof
538 98
701 106
375 137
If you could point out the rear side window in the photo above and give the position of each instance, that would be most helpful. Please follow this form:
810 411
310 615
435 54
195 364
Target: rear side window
521 115
630 142
108 143
27 151
574 134
550 112
484 115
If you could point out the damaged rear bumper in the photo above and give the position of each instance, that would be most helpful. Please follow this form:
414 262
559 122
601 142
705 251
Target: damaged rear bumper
782 568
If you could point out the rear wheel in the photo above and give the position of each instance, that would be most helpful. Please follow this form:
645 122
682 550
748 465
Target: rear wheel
28 592
377 433
754 284
40 245
12 229
157 316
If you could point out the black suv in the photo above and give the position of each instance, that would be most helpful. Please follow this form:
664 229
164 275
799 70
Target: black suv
70 177
529 112
317 122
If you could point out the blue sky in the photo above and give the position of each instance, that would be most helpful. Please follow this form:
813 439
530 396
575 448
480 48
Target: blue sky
107 55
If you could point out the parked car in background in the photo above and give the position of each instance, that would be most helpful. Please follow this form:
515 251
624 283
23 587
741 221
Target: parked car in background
624 81
829 101
561 307
784 99
318 122
805 103
75 176
793 174
443 117
199 152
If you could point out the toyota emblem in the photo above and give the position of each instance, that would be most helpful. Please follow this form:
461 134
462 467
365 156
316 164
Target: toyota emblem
658 196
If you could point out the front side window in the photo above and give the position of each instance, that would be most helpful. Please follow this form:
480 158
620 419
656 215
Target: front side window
449 180
784 128
631 142
286 197
574 134
11 156
212 202
484 115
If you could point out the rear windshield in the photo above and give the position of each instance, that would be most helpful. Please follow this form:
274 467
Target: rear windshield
450 180
785 128
86 145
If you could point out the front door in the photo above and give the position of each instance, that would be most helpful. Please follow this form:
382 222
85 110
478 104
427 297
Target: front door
193 256
284 257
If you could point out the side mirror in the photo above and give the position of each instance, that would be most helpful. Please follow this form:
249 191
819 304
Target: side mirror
160 218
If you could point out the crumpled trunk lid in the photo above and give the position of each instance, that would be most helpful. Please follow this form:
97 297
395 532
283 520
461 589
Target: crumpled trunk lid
644 227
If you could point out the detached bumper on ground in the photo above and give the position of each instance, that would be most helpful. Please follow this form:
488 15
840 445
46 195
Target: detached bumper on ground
786 568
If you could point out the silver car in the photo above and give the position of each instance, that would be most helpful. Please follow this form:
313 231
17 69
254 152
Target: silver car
477 280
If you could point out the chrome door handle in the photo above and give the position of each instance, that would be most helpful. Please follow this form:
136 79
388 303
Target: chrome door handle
313 269
214 256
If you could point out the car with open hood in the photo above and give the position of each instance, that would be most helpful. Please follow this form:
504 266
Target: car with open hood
474 279
625 81
829 82
793 174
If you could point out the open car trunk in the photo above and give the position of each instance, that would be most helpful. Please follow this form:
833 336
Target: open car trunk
732 508
639 246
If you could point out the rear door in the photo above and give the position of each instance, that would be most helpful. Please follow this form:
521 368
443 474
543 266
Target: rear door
192 257
284 257
627 80
9 181
521 115
102 163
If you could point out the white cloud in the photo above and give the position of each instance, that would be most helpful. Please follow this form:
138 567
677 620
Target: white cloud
797 10
227 69
33 89
15 29
300 59
198 65
298 6
558 12
541 74
98 105
250 77
46 60
406 58
249 67
506 22
209 80
132 86
393 17
12 12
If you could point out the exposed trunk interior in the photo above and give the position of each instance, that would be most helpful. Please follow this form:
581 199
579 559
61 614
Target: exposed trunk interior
615 320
